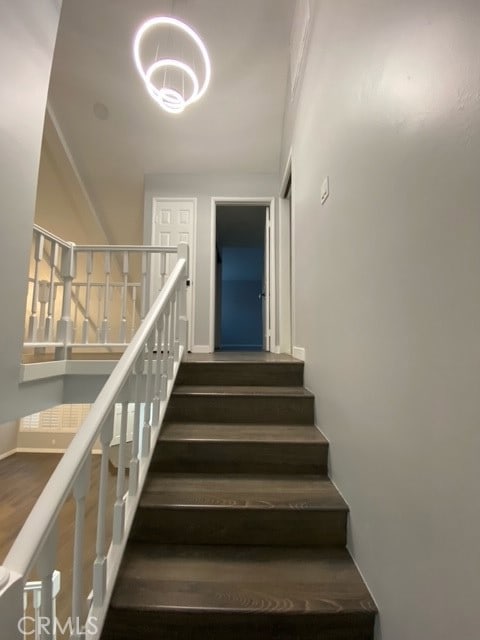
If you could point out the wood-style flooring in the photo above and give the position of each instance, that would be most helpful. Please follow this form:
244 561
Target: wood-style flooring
22 479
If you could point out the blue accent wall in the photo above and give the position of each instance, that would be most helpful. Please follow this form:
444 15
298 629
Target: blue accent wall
241 308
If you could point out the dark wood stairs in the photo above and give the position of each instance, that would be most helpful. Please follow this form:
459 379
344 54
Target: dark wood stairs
239 532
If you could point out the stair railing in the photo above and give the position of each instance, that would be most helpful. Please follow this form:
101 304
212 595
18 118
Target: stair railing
144 375
33 623
89 295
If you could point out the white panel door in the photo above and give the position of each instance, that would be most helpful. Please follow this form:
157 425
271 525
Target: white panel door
173 222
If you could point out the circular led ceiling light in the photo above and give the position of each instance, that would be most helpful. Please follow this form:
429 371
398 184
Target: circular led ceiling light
154 75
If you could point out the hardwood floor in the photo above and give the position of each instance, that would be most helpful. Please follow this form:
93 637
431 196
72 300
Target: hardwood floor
22 478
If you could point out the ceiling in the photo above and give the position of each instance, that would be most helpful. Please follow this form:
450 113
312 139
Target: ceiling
236 127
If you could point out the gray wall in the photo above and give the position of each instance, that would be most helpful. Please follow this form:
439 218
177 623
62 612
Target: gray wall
388 295
204 187
8 437
27 35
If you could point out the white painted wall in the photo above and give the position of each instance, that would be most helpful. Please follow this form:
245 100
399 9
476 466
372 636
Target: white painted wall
204 187
388 295
27 36
62 204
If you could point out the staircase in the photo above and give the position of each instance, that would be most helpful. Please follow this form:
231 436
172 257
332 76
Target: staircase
239 533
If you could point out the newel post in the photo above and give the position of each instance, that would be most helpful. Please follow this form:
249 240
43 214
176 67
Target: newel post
11 605
182 299
65 324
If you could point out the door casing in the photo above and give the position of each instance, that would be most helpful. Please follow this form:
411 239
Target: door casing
271 298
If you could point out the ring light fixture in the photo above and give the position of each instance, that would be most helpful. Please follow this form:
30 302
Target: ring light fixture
167 97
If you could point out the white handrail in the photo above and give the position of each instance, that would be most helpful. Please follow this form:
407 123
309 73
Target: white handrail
133 248
24 551
74 312
144 375
51 236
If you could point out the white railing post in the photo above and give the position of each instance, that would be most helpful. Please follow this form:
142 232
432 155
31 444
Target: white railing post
133 472
183 319
158 373
65 324
106 299
54 249
38 257
165 347
171 342
43 297
46 568
88 291
143 287
100 565
123 324
80 490
11 609
119 507
149 385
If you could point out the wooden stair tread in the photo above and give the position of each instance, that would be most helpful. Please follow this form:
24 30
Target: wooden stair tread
240 492
241 357
243 579
240 391
232 433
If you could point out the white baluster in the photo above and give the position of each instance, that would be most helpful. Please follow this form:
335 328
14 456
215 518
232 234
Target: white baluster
100 565
158 373
119 508
38 257
106 298
176 324
46 567
37 606
80 490
76 299
134 462
43 296
99 313
171 342
166 346
143 287
88 292
64 325
183 252
54 251
134 310
147 426
123 326
163 269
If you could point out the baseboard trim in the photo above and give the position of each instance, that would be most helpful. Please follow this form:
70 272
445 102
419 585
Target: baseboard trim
7 454
299 353
201 348
49 450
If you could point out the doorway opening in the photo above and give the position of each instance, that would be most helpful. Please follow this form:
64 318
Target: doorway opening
241 277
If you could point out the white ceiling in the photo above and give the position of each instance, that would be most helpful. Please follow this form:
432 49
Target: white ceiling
236 127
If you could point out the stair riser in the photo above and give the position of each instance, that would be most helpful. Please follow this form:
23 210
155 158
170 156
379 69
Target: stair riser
145 625
286 527
241 409
233 373
250 457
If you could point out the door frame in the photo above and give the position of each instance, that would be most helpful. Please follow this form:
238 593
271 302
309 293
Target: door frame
191 255
286 260
263 201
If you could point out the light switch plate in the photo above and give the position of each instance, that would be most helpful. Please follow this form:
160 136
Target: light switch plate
325 192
